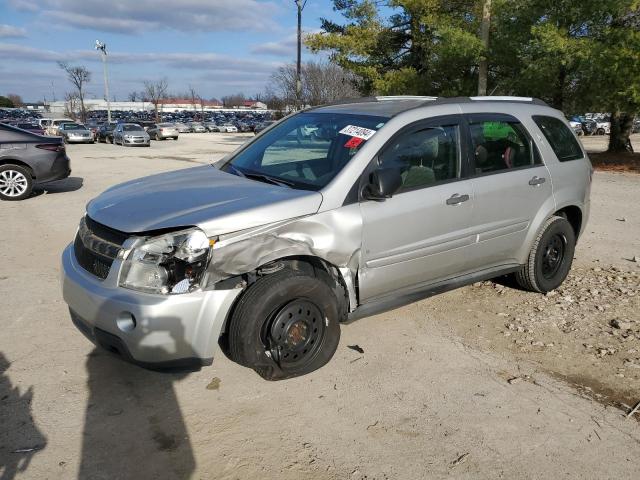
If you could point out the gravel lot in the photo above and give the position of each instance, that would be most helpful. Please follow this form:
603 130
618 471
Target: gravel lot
483 382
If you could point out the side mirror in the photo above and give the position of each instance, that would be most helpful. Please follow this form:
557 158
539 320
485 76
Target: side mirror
383 183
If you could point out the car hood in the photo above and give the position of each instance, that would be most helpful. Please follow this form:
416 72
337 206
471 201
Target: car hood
215 201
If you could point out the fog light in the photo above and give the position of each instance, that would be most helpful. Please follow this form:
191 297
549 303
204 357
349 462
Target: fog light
126 322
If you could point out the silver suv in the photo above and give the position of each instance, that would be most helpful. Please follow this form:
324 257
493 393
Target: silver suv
329 215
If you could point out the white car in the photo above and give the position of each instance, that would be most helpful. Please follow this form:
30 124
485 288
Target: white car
603 128
228 129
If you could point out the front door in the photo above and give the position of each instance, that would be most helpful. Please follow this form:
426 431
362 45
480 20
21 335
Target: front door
421 233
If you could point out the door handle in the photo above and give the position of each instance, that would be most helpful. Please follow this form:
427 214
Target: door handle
535 181
457 199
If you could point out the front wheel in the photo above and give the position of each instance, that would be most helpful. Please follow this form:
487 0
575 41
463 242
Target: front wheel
550 258
285 325
15 182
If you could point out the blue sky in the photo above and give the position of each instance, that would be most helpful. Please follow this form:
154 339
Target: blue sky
217 46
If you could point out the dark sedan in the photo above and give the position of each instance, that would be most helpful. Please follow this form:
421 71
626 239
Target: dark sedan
27 159
105 132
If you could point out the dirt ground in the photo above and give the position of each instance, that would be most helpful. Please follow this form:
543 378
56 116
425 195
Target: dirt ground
483 382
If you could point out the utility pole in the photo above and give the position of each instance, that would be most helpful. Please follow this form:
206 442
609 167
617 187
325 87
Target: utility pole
485 28
103 48
300 4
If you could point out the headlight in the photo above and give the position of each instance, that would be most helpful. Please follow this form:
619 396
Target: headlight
168 264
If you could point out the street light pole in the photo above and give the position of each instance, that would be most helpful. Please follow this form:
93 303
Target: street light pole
300 4
103 48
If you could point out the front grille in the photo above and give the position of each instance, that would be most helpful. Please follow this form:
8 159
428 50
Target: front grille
96 246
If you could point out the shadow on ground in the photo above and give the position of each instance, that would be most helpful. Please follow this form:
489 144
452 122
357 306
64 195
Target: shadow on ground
133 424
20 438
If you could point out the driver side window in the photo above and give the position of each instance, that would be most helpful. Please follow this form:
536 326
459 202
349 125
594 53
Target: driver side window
425 157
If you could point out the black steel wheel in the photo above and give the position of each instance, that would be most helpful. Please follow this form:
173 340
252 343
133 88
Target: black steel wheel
286 324
550 257
296 333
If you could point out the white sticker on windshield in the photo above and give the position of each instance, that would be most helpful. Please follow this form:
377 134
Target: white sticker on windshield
358 132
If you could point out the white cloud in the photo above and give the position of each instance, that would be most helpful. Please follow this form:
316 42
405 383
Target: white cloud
10 31
133 17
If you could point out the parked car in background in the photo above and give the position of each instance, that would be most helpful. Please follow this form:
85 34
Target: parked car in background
183 128
52 128
197 127
266 253
228 128
576 126
603 128
105 132
29 127
162 131
129 135
211 127
27 160
263 125
75 133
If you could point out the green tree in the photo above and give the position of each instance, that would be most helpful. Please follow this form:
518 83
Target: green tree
5 102
422 47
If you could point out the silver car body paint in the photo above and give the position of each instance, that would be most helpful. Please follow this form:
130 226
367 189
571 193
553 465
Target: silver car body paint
379 249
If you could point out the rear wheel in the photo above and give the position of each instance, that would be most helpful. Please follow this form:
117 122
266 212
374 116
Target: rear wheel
550 258
15 182
157 137
285 325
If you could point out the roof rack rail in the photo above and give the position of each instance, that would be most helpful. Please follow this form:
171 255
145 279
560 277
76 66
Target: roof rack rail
507 98
386 98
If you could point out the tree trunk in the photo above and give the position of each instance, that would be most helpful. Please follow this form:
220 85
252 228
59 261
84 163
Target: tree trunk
621 127
485 27
558 95
83 114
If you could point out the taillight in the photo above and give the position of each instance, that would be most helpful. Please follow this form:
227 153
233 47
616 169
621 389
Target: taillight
52 147
162 129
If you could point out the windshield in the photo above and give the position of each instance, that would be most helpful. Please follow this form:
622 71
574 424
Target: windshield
306 150
72 126
131 128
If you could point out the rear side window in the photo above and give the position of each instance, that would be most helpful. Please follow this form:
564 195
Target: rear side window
501 146
562 140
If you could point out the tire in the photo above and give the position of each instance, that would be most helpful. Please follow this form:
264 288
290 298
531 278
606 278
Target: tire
286 324
113 140
175 138
16 182
157 137
550 258
600 131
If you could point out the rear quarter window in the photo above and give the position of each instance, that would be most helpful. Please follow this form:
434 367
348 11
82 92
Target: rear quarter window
561 139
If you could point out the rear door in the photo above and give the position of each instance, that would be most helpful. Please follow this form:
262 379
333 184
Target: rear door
510 183
421 234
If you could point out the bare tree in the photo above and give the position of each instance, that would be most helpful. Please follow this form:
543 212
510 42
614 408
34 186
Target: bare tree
134 96
78 76
16 99
235 100
71 105
322 82
194 98
325 82
155 92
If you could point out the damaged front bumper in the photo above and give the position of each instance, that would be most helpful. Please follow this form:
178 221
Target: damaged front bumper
155 331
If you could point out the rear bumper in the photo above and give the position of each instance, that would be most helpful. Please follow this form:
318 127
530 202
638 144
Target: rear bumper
154 331
60 168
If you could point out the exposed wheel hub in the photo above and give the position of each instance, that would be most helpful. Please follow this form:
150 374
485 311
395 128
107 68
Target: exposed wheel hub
553 255
296 332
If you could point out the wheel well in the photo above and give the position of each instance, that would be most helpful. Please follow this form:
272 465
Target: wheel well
11 161
573 215
308 264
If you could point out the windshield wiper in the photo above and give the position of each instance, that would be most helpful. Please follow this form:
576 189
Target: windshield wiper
266 178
